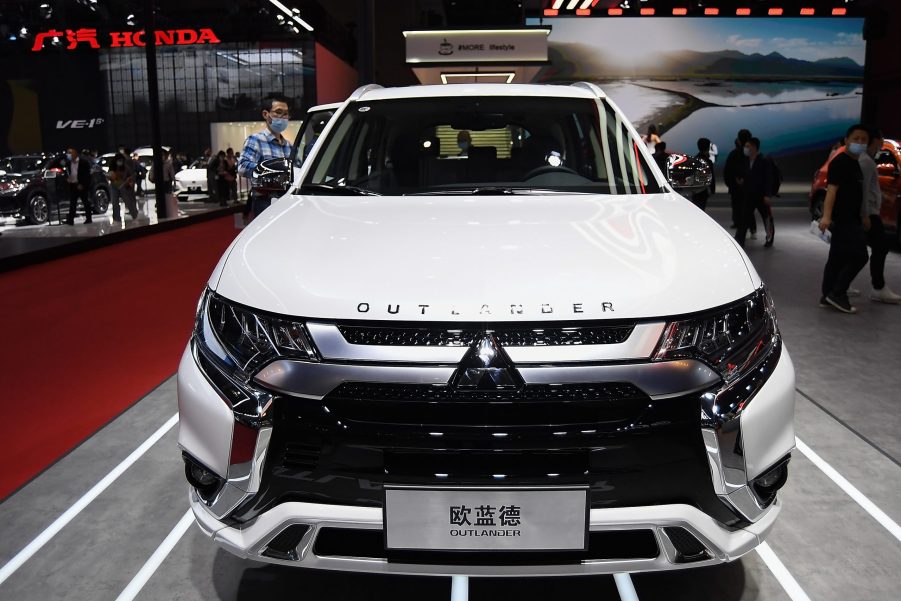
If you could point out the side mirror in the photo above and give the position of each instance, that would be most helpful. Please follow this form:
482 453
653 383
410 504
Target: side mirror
688 175
272 176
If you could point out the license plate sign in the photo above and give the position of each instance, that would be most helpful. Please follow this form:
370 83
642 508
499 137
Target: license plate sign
479 519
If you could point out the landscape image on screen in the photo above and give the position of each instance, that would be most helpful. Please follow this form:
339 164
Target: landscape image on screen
795 83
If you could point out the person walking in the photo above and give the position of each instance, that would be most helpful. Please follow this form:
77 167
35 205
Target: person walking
122 180
872 222
79 178
231 174
700 198
266 144
758 187
661 157
842 216
167 180
222 184
734 174
212 178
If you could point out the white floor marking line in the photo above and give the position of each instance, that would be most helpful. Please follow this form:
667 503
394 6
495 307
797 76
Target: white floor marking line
459 588
625 587
59 523
877 514
788 582
151 565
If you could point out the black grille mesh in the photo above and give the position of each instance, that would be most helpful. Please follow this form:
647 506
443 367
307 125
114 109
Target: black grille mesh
466 337
564 336
407 336
424 393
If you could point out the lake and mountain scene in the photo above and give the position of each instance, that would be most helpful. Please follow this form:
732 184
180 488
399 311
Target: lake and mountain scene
795 83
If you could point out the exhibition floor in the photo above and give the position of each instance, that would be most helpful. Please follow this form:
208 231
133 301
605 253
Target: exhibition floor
17 237
110 519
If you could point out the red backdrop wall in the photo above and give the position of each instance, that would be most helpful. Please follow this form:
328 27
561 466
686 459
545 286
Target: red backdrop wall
335 79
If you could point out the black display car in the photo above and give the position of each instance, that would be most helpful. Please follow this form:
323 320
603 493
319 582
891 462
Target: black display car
32 184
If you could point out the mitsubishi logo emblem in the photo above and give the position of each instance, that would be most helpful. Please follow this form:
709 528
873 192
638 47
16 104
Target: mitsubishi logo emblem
487 367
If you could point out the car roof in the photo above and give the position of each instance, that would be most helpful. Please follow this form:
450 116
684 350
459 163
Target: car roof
477 89
324 107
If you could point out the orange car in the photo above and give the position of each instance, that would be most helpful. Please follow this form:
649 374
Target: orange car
888 164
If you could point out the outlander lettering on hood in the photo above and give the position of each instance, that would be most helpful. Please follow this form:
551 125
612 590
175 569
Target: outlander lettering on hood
482 334
439 310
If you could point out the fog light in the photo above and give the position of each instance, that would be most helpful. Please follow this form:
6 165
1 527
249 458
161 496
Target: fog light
771 481
203 480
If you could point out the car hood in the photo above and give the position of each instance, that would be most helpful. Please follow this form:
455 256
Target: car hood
484 258
190 173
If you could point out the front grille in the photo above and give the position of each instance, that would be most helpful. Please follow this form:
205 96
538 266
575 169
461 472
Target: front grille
407 336
608 545
506 336
448 407
372 435
564 336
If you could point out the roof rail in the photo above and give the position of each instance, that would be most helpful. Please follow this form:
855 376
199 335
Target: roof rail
591 87
363 89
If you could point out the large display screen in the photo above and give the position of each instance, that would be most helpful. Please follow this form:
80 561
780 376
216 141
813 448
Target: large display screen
796 83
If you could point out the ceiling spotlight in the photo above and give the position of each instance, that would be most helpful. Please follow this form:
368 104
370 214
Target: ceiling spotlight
56 42
45 10
23 33
130 20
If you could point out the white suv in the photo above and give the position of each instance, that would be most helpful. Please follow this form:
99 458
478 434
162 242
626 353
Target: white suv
481 334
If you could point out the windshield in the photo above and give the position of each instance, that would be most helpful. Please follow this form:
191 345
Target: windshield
21 164
493 144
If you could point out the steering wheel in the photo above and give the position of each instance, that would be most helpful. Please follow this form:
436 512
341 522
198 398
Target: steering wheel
548 169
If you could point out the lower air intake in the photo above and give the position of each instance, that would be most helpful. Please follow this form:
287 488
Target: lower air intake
284 545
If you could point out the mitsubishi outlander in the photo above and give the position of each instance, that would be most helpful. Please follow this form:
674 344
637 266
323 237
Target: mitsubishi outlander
481 333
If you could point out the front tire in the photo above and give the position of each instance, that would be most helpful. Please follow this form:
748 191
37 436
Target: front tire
100 201
37 209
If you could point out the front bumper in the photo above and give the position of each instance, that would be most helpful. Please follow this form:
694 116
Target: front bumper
250 541
714 508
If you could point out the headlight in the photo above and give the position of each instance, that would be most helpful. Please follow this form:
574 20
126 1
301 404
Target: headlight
731 340
11 187
253 339
232 343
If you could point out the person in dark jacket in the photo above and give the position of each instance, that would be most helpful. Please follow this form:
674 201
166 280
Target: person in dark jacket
700 198
78 174
661 157
734 173
757 193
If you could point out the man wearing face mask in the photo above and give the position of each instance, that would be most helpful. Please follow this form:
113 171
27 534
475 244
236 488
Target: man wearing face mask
758 185
872 222
78 172
267 144
842 216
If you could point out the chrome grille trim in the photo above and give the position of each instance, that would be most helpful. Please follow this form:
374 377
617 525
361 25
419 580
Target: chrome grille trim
332 344
659 380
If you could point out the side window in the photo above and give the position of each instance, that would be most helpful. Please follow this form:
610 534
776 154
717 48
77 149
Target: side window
885 157
308 134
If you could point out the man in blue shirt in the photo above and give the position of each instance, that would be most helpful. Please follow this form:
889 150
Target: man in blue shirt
266 144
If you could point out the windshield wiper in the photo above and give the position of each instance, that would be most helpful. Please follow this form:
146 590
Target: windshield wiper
492 190
330 189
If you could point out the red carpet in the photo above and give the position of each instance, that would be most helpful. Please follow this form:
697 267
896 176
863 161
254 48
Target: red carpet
86 336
